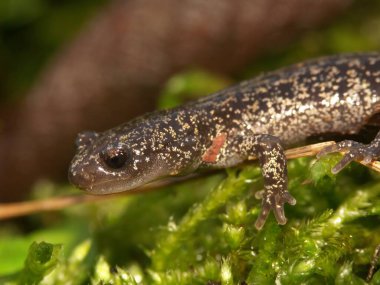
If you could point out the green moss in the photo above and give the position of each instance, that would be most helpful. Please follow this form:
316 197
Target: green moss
202 231
41 260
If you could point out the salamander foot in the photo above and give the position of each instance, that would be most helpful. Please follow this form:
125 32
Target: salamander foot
275 202
354 151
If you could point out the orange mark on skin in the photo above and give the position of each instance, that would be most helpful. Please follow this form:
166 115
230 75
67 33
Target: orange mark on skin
213 151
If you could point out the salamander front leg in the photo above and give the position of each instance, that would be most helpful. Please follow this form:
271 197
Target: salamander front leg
353 151
273 167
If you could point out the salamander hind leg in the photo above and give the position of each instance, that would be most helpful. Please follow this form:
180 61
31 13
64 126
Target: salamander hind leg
273 166
354 151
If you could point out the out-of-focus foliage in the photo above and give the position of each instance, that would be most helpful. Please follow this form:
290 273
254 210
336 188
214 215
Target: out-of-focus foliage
41 260
201 231
30 31
357 30
190 85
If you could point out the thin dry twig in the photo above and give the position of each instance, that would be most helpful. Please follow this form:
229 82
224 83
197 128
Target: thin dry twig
11 210
375 259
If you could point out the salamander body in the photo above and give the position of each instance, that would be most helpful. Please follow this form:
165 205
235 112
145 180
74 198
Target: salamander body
256 118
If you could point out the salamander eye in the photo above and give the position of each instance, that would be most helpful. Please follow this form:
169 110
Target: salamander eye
115 158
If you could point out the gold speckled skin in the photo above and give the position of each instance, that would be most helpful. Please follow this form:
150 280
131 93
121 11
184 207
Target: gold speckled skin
256 118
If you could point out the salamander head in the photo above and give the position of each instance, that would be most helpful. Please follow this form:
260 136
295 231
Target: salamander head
109 163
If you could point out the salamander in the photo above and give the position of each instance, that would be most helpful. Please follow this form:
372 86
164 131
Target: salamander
256 118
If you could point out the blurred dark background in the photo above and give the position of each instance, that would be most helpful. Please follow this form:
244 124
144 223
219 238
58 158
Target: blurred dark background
67 66
30 33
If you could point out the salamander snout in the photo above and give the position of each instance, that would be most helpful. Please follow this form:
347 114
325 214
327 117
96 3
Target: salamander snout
81 178
119 159
84 170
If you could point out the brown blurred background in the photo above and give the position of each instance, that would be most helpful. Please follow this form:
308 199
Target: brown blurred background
67 66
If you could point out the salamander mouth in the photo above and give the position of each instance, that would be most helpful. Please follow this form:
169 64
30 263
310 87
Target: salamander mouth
96 184
99 184
110 187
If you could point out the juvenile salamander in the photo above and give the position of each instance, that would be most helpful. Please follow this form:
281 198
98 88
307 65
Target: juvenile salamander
256 118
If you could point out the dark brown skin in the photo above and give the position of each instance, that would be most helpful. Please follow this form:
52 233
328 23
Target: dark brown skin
256 118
